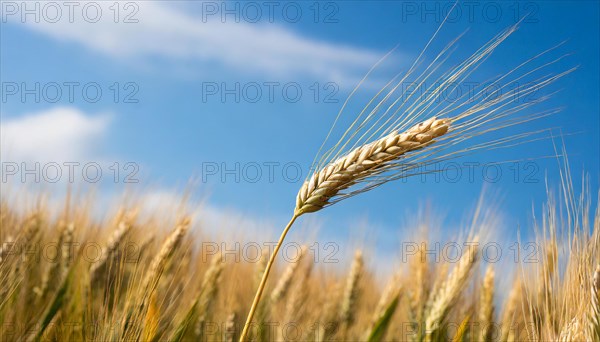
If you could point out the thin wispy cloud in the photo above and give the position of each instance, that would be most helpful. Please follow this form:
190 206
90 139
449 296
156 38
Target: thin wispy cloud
179 36
54 135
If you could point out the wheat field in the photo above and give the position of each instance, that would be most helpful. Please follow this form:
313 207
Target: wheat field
68 274
64 278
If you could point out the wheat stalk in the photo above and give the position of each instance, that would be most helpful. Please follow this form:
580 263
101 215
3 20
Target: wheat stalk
351 169
389 141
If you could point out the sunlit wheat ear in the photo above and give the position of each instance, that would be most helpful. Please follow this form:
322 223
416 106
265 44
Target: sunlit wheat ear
448 293
54 273
209 290
67 249
363 162
132 324
229 333
486 308
160 260
114 242
418 286
351 290
391 290
283 285
385 309
510 311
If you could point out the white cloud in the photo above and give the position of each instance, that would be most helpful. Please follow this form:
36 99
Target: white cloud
165 31
59 134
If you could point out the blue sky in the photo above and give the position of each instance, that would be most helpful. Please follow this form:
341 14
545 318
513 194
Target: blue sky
173 62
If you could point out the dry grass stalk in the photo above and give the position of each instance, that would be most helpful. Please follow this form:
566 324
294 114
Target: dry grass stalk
486 308
594 315
573 331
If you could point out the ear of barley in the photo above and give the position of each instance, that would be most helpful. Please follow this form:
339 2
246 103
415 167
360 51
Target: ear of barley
449 292
486 305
